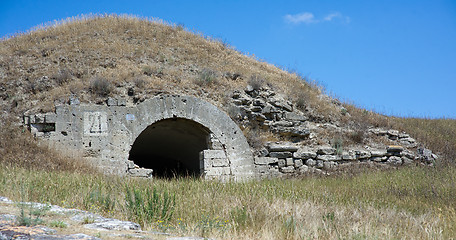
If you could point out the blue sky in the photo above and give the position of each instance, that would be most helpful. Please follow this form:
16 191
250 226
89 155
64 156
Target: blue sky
394 57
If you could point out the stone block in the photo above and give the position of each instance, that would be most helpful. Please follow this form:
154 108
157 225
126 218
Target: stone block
394 149
304 155
280 154
210 154
394 160
140 172
295 117
121 102
281 147
329 157
217 171
50 118
329 165
406 160
289 169
378 159
289 162
303 169
298 163
311 162
220 162
265 160
361 154
378 153
111 102
326 151
281 163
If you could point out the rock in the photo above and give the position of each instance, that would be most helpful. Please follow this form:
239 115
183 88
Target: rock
378 159
394 149
289 169
111 101
298 163
311 162
74 100
394 160
296 132
393 133
113 224
281 104
263 152
329 165
141 172
280 154
5 200
289 162
329 157
281 163
361 154
304 155
291 116
249 89
348 157
268 109
378 153
319 164
256 109
406 160
282 124
265 160
326 151
303 169
259 102
281 147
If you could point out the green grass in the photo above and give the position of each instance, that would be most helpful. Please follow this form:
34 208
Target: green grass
408 203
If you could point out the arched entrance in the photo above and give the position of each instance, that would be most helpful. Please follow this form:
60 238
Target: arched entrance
171 147
167 132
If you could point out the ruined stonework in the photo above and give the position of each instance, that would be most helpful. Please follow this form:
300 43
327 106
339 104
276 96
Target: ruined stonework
171 135
107 134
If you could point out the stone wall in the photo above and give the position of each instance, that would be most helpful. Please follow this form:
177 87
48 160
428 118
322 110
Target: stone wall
104 134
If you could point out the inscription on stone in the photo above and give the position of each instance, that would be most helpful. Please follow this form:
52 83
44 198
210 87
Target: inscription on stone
95 123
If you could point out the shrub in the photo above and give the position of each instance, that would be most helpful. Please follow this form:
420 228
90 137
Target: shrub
100 86
206 77
256 82
149 206
63 76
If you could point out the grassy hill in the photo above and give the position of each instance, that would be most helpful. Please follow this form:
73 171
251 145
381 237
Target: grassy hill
98 56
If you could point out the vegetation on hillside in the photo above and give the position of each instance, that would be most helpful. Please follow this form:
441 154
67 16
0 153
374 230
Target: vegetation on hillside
98 56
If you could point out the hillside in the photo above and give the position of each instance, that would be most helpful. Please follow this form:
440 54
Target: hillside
95 57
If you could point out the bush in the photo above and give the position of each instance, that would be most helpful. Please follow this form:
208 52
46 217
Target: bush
206 77
100 86
256 82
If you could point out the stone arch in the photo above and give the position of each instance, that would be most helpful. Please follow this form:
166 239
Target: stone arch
233 144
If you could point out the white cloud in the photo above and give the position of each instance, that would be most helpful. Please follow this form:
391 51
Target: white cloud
308 18
305 17
331 16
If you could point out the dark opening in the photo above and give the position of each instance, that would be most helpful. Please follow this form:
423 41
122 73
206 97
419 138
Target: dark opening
171 147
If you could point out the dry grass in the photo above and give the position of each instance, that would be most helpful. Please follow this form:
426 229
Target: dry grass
412 203
122 49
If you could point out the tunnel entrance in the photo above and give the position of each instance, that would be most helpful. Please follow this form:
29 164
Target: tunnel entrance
171 147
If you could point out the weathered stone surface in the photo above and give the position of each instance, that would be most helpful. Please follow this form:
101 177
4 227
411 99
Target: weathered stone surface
295 117
311 162
329 157
141 172
395 149
304 154
406 160
326 151
298 163
282 163
289 162
50 118
113 224
378 153
394 160
281 147
111 101
378 159
348 156
289 169
303 169
329 165
361 154
265 160
280 154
